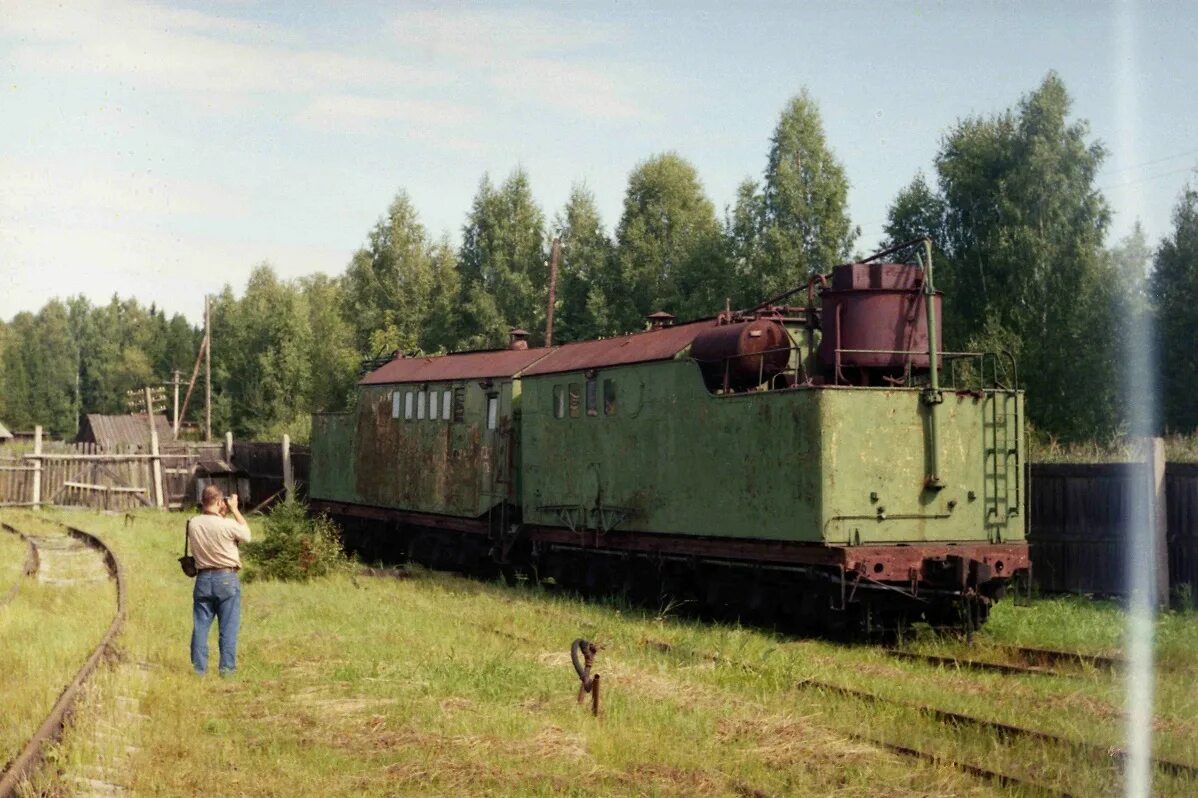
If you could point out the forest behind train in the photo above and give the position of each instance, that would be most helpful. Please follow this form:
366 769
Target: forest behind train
1022 252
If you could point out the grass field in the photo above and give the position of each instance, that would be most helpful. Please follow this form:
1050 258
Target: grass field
12 561
46 632
439 685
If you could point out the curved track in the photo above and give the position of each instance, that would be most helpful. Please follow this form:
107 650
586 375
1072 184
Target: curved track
30 568
51 728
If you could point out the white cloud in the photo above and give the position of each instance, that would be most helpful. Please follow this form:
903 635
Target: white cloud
491 37
67 192
340 111
535 59
169 269
189 51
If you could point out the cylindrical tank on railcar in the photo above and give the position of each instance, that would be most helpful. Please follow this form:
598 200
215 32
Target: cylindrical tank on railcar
742 354
874 314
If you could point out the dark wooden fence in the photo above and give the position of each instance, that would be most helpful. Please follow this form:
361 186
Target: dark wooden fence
263 462
1078 520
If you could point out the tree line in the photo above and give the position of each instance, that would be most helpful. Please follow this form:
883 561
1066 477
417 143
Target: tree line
1017 219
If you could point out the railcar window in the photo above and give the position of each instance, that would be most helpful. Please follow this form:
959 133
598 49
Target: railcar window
609 397
432 405
420 398
559 401
592 397
574 400
459 405
446 403
492 412
407 405
395 404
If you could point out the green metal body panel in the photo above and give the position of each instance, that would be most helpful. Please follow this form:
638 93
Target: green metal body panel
444 466
794 465
673 458
874 457
331 469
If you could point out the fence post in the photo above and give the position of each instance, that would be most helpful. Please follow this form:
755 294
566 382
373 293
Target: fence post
229 448
37 465
156 462
288 476
1156 466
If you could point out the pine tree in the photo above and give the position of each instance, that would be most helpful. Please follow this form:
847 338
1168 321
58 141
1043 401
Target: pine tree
669 251
503 263
585 270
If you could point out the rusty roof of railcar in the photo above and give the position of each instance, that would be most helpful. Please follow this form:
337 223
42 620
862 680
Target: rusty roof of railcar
461 366
641 347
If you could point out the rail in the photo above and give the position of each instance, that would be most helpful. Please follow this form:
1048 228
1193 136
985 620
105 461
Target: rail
51 728
30 567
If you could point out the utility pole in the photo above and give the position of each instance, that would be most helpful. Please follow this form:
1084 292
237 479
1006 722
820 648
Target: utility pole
207 369
175 414
554 253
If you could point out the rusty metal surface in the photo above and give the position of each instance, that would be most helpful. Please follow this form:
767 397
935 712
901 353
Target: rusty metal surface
641 347
876 306
461 366
882 563
743 354
589 682
123 430
465 525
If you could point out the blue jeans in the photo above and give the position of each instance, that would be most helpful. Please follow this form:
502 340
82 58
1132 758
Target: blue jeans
216 594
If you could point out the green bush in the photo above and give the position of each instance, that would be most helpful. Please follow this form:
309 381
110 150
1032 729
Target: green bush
294 546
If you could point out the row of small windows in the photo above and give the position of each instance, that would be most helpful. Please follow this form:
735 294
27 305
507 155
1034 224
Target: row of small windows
436 404
567 399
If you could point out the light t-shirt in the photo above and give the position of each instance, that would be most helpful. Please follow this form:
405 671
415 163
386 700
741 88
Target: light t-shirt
214 541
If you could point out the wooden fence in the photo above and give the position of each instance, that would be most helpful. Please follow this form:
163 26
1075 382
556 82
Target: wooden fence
273 467
1079 517
117 478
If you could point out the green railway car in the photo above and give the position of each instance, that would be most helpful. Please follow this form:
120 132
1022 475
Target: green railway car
827 463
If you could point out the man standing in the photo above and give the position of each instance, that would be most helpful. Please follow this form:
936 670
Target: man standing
214 539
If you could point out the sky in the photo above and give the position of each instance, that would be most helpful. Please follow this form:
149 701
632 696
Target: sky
161 150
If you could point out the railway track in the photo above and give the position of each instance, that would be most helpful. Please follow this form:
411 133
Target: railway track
1003 731
29 568
1034 661
51 728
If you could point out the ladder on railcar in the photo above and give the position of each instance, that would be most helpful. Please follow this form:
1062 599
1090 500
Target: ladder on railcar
1002 466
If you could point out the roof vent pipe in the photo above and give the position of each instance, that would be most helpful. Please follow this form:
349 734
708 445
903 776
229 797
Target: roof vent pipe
517 338
660 319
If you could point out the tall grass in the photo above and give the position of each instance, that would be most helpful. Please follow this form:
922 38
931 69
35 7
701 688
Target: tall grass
46 633
12 560
1044 448
438 685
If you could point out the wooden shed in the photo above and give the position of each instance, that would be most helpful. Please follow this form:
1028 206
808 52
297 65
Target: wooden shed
225 476
130 430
